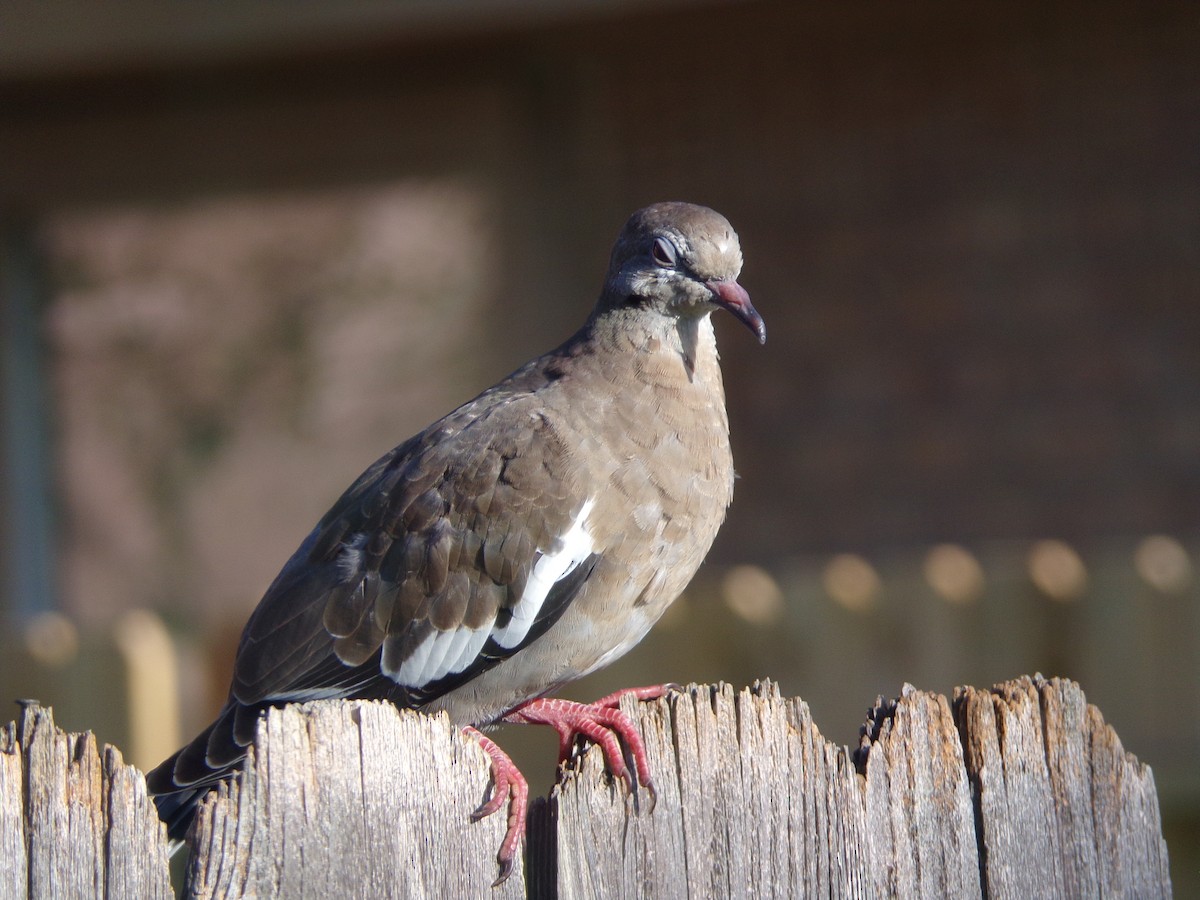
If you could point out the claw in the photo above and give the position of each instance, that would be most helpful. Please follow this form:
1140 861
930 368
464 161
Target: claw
506 869
653 792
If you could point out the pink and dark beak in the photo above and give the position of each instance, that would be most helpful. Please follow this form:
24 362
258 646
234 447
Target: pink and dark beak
733 297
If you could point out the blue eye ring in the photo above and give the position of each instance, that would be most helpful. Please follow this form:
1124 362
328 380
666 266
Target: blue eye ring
663 252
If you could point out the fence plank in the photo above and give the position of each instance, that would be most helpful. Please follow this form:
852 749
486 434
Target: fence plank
353 799
1051 775
14 861
78 822
921 820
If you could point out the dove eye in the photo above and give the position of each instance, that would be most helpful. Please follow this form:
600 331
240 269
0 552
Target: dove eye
663 252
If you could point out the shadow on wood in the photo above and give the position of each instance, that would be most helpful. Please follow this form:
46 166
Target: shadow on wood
1017 791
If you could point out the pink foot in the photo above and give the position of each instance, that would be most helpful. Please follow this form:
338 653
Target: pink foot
601 722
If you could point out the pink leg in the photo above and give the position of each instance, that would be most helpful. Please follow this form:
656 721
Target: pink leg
507 784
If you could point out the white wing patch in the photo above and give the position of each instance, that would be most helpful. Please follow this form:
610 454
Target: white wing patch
443 653
475 639
576 546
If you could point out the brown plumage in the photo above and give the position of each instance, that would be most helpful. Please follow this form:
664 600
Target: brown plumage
529 537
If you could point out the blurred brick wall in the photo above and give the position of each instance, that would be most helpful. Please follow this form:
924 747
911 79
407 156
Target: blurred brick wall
976 240
973 233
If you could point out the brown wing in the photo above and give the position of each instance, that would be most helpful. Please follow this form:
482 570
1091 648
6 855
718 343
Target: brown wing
417 579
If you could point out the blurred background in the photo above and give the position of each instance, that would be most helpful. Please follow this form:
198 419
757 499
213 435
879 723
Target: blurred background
247 248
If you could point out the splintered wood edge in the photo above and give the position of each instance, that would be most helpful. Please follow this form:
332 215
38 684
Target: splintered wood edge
1048 771
74 817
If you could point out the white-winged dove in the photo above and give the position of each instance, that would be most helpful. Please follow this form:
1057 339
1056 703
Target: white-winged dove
528 538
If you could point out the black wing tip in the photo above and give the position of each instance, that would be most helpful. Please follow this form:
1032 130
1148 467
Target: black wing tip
179 783
177 810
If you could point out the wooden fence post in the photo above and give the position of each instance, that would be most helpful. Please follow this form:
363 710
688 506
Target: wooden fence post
352 799
75 821
1017 791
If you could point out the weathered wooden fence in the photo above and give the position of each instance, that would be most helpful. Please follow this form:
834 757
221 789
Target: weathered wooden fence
1018 791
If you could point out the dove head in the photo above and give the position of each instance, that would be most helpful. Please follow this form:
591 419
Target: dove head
680 260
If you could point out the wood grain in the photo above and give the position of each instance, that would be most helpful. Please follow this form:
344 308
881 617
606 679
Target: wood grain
75 821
